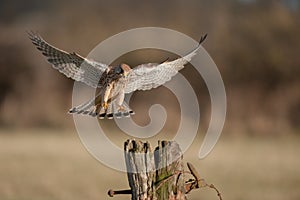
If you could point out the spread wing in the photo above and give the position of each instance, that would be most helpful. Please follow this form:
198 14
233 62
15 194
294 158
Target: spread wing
152 75
70 64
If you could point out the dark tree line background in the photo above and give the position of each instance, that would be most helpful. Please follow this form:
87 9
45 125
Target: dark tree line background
255 45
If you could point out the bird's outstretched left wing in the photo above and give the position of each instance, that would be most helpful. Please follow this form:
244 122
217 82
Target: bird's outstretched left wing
152 75
70 64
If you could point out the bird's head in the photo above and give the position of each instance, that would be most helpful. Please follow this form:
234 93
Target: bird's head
123 69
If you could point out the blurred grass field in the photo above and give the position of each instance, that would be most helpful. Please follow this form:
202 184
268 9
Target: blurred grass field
54 165
255 45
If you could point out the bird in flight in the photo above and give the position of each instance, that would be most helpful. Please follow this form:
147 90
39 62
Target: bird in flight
113 82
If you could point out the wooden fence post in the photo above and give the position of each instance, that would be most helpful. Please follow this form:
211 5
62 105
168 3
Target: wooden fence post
159 174
154 175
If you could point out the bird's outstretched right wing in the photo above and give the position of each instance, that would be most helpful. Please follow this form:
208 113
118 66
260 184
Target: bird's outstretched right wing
152 75
70 64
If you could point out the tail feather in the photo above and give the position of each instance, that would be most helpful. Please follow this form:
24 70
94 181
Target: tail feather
109 111
89 108
85 106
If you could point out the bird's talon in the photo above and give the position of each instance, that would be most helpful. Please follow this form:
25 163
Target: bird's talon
105 105
121 109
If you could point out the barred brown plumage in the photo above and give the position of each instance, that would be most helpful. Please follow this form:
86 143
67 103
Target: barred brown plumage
113 82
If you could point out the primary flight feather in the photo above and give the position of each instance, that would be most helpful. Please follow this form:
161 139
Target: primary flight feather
113 81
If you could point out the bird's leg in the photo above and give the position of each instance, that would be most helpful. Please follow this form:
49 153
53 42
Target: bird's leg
106 96
120 100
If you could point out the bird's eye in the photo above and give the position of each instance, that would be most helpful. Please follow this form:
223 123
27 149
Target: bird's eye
119 70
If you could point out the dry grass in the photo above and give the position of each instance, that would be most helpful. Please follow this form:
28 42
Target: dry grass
51 165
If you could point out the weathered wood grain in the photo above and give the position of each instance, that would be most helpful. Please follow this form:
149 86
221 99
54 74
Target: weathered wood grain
155 174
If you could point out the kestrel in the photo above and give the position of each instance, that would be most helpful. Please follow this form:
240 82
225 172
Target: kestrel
113 82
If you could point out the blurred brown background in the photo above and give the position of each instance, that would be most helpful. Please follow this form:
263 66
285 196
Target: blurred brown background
255 44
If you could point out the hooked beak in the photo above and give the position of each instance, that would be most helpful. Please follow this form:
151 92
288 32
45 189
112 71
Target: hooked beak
125 73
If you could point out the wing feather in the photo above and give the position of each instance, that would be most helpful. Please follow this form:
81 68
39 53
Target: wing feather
71 65
152 75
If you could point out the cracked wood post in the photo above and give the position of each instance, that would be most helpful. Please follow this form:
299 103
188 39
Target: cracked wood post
154 174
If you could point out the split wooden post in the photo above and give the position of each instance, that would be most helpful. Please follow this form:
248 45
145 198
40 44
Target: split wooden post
155 174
